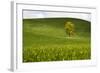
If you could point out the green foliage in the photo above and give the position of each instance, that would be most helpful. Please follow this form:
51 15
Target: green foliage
45 40
56 53
69 27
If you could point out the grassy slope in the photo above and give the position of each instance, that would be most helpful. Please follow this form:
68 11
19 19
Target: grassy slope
46 40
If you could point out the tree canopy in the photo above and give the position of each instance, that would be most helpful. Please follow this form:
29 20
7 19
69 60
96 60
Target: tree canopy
69 27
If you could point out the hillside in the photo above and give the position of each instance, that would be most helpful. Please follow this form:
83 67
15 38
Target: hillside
39 35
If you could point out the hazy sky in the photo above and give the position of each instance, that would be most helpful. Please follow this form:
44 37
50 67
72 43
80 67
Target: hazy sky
44 14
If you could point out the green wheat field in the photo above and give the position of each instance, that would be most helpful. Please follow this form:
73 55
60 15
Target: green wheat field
45 39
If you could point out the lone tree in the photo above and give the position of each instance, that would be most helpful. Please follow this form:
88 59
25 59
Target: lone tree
69 28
